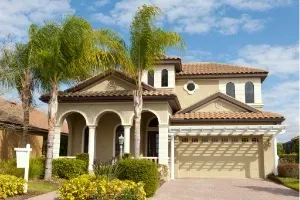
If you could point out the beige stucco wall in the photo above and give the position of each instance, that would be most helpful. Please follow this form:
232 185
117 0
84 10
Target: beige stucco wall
219 106
76 124
205 88
221 160
110 83
11 140
93 111
268 154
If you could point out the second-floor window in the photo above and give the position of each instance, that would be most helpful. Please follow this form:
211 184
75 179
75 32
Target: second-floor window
230 89
164 78
151 77
249 92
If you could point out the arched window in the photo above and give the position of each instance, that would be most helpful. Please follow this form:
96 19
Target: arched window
151 77
249 92
119 132
230 89
164 78
86 140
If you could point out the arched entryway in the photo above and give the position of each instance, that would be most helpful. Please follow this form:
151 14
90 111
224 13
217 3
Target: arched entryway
108 129
149 134
77 130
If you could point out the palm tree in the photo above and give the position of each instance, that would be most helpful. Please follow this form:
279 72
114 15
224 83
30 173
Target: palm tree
16 65
148 44
68 52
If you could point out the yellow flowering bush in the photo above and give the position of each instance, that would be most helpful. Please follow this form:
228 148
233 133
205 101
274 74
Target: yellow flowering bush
10 186
89 187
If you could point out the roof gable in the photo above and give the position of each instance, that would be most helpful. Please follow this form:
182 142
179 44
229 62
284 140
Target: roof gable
102 76
221 96
219 105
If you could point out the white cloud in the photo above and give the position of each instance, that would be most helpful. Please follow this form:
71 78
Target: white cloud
196 55
196 16
257 5
283 95
279 60
101 3
16 16
105 19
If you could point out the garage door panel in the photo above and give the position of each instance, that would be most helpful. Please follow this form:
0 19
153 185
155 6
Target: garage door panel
218 159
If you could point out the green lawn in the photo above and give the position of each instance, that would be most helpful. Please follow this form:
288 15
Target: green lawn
292 183
42 186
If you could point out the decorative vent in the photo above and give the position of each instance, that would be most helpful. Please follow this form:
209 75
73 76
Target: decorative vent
245 140
214 139
204 139
234 139
255 140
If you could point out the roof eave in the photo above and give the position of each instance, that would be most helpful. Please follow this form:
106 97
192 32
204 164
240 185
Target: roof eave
189 121
215 76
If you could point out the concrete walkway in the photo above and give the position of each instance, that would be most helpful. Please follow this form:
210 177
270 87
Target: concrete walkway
224 189
48 196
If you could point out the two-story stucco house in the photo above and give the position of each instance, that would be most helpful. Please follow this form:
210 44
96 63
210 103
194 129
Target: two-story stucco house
200 119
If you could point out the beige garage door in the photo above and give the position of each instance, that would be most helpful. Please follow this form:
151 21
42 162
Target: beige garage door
219 157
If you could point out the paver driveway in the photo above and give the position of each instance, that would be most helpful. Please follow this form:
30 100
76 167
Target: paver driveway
224 189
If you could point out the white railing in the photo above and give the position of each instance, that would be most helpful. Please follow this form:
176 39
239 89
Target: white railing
153 159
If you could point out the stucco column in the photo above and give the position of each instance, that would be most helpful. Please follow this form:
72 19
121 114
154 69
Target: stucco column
91 147
172 156
56 142
275 171
126 138
163 144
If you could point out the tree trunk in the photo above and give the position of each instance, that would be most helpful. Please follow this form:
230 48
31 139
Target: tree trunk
26 102
138 106
52 112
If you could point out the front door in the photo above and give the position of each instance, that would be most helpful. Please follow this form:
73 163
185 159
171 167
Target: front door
152 143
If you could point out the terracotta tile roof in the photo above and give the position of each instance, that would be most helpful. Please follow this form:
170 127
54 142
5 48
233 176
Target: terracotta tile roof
115 93
228 115
208 68
11 112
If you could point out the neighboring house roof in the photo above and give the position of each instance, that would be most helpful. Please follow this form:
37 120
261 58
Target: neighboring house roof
228 116
295 138
220 96
11 113
102 76
218 70
117 95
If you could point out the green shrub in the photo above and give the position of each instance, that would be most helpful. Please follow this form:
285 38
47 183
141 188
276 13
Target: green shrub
84 157
288 170
89 187
288 158
280 149
140 170
10 186
107 171
68 168
36 168
126 155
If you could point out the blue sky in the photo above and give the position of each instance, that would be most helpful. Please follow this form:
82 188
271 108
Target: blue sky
255 33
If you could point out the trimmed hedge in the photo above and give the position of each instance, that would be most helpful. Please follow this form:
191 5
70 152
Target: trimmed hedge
68 168
288 158
84 157
10 186
140 170
36 168
288 170
89 187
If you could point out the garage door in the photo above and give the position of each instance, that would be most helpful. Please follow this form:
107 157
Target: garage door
219 157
